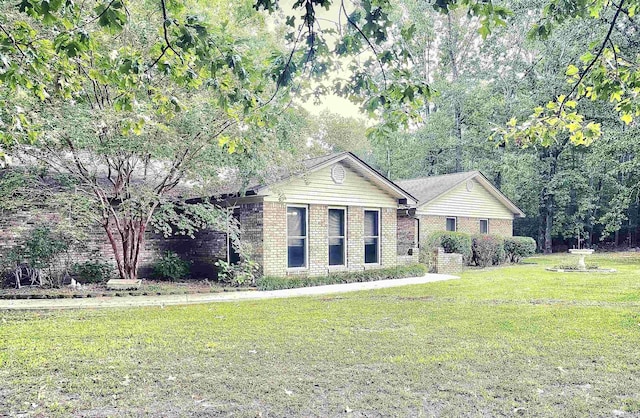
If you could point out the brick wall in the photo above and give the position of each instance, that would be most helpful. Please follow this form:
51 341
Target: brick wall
389 238
502 227
203 250
318 240
252 228
355 240
407 231
448 263
275 239
432 223
262 224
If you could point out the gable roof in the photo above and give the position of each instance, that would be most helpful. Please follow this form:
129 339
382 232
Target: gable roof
315 164
428 189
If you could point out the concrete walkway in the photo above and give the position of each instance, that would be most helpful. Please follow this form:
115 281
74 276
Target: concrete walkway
137 301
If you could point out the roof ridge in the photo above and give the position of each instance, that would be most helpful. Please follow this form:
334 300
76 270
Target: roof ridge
442 175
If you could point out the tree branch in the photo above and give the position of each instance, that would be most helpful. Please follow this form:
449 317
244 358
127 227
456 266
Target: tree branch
352 23
599 53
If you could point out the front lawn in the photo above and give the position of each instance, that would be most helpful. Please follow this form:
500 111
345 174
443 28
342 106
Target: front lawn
516 340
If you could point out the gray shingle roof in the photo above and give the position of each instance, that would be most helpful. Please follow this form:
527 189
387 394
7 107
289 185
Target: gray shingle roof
425 189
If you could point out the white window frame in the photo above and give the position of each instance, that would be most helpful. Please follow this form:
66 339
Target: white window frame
379 236
455 224
344 237
480 226
306 238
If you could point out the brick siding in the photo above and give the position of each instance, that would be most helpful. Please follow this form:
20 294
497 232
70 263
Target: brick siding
318 240
203 250
355 238
448 263
263 224
275 240
389 239
432 223
407 247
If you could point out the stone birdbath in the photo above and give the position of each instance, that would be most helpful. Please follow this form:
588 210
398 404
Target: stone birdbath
582 252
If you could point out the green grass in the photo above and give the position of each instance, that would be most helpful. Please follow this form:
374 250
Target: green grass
517 340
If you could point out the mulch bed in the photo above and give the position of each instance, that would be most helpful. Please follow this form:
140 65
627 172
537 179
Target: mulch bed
148 288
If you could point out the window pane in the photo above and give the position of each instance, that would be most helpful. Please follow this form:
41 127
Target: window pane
336 222
296 252
371 250
336 251
296 222
484 226
451 224
370 223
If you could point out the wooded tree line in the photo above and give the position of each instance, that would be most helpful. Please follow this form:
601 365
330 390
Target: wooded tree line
126 101
568 189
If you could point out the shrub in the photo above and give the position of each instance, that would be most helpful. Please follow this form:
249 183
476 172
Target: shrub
38 258
487 250
275 283
244 272
92 271
452 242
171 267
516 248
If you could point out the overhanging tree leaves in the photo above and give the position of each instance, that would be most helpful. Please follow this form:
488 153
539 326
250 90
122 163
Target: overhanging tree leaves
130 99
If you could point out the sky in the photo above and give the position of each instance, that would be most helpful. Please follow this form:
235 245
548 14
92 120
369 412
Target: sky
333 103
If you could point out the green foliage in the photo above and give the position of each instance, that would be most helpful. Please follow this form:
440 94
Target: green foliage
42 247
452 242
487 250
275 283
186 219
243 273
171 267
38 257
517 248
131 117
93 270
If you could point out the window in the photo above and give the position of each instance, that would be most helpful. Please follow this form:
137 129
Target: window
336 237
451 224
371 236
484 226
296 237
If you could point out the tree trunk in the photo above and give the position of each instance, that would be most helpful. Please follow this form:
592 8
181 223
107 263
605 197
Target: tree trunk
116 252
548 244
132 242
457 112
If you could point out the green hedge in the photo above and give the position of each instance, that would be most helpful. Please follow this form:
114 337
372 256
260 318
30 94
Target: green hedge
276 283
481 249
452 242
516 248
487 250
